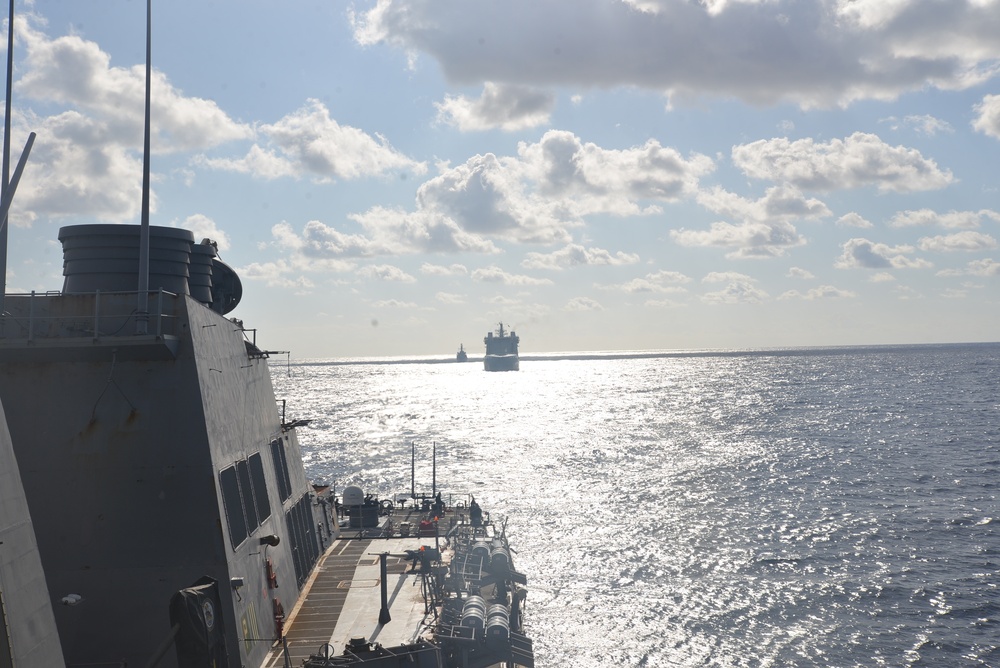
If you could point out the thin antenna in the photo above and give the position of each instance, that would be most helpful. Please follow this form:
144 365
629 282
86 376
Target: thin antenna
6 151
9 185
142 314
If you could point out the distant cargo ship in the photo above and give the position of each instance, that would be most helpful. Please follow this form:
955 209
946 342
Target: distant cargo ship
462 356
501 351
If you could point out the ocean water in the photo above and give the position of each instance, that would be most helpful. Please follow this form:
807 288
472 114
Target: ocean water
833 507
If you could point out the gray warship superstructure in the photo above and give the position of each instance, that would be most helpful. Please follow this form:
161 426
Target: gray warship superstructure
161 478
501 351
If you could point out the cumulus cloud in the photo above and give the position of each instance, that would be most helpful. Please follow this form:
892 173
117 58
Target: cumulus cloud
780 203
986 267
204 227
440 270
799 272
960 241
988 116
821 292
864 254
924 124
658 282
853 219
75 72
748 240
495 274
89 161
385 272
860 160
739 289
578 304
585 178
950 220
761 51
764 229
449 298
507 107
575 255
393 303
537 196
310 142
723 276
279 274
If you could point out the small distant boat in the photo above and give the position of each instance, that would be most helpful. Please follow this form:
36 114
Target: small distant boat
462 356
501 351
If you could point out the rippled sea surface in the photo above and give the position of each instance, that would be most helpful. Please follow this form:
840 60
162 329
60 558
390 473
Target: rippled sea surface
806 507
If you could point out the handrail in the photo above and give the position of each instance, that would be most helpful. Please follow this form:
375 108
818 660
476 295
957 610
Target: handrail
111 311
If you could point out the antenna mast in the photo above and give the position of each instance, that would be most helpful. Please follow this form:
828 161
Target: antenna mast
9 185
142 314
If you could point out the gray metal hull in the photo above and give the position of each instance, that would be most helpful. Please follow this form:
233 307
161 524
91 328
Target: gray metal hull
501 363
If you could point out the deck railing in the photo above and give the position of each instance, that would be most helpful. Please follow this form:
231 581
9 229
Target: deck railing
96 315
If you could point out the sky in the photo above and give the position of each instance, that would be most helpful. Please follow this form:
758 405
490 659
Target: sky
396 177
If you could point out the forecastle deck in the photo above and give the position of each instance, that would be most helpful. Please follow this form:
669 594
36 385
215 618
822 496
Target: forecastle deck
341 620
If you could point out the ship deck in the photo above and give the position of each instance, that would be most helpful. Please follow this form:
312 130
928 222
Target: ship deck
342 599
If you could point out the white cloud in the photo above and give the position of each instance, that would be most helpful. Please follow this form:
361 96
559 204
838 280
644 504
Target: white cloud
579 304
439 270
960 241
659 282
575 255
310 142
988 116
279 274
821 292
500 106
865 254
551 186
984 268
749 240
740 289
928 125
204 227
987 267
385 272
395 231
449 298
858 161
798 272
922 124
586 178
780 203
763 52
259 162
394 303
536 197
951 220
494 274
853 219
88 158
75 72
723 276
